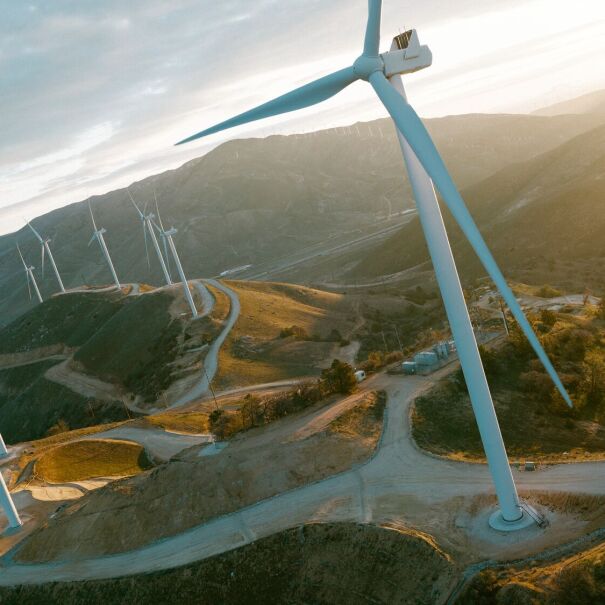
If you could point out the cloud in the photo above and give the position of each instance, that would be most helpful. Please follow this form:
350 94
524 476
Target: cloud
93 95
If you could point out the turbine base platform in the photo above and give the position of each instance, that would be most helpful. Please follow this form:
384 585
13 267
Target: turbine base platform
497 522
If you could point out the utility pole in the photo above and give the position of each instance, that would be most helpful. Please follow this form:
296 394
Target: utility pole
398 339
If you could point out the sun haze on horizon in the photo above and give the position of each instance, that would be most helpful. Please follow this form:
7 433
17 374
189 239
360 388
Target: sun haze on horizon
94 99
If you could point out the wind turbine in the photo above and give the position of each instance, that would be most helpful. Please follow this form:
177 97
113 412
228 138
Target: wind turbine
167 237
29 276
147 222
98 235
426 170
45 248
6 500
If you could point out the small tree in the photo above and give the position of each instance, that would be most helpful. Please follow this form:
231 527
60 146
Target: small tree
548 318
339 378
251 411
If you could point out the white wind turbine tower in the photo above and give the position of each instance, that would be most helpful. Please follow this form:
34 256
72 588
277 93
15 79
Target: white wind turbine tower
29 275
98 235
147 221
426 170
45 248
6 501
167 237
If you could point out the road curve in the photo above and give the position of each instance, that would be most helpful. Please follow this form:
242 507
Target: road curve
202 387
398 472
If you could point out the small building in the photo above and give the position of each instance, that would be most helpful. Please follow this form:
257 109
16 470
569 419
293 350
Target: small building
360 375
442 350
426 362
409 367
426 358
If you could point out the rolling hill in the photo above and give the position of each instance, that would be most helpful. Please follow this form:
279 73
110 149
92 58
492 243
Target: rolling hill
249 201
76 359
543 218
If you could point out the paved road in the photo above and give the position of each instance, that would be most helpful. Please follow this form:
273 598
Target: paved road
202 387
398 470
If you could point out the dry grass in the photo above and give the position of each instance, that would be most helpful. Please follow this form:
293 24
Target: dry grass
363 421
222 304
89 459
35 449
267 309
181 422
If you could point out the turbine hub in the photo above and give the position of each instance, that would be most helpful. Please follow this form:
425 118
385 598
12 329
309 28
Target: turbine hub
365 66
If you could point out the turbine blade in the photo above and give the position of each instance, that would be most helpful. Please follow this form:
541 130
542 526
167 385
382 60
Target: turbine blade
35 232
92 217
21 257
157 209
134 203
305 96
413 130
146 247
371 44
92 239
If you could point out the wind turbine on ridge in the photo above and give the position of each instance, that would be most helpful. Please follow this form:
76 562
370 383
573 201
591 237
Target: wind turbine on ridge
98 235
45 248
29 276
147 222
426 170
6 500
167 237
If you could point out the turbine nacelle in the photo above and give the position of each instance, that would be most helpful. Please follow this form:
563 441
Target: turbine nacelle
406 56
410 56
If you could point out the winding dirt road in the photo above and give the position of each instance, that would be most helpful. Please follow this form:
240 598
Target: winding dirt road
397 479
202 387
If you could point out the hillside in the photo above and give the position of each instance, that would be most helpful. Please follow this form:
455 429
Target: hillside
319 563
591 103
74 360
443 421
558 194
253 200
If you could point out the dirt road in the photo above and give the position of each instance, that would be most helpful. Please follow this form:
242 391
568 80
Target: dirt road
202 387
399 477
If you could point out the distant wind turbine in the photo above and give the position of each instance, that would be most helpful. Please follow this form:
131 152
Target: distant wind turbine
29 276
167 237
426 168
45 248
98 235
147 222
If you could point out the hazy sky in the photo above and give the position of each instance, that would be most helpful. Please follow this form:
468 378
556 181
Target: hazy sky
93 94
